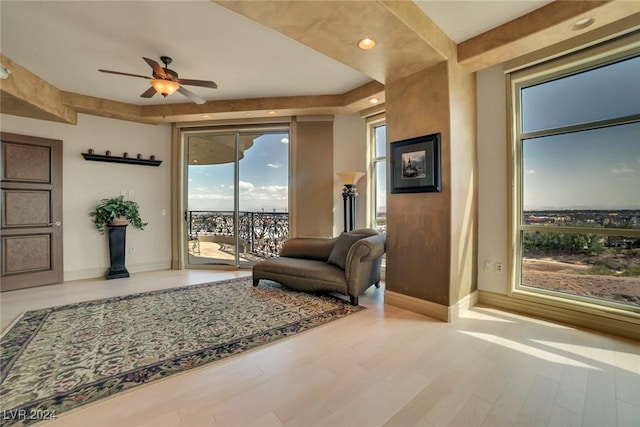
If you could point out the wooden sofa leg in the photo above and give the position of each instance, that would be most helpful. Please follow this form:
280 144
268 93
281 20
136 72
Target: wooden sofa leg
255 282
354 300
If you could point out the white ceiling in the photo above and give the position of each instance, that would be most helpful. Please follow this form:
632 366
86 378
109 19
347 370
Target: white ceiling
66 42
462 20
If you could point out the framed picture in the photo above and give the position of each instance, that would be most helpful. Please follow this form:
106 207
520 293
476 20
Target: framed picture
415 165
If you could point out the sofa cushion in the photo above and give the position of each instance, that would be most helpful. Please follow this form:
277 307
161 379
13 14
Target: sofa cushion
338 256
296 268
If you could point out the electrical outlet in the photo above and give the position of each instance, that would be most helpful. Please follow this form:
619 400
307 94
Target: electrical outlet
498 267
132 250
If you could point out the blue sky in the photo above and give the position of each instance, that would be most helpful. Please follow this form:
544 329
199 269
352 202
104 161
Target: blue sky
264 177
598 169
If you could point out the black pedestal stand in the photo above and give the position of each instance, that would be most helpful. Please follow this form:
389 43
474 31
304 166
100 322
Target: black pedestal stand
349 195
117 250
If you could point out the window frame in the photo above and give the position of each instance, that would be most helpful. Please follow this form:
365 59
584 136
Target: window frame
586 60
373 159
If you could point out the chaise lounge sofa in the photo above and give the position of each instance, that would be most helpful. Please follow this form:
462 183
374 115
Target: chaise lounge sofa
347 264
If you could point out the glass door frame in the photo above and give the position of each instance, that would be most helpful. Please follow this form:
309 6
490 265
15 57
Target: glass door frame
180 230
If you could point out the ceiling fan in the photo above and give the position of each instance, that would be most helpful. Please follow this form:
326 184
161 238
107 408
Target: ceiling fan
165 81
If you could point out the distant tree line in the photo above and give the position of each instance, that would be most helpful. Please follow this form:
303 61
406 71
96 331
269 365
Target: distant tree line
562 243
570 243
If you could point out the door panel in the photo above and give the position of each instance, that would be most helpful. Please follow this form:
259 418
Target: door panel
25 208
26 163
211 202
26 253
31 214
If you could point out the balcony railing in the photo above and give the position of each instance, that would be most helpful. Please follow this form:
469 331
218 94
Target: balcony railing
262 233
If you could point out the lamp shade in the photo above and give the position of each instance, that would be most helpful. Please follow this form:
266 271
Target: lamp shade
350 178
165 87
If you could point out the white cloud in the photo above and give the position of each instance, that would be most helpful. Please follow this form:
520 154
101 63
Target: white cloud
271 193
246 186
274 165
285 140
210 197
622 168
275 188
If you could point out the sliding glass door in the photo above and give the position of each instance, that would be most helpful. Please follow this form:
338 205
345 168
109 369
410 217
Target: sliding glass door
237 196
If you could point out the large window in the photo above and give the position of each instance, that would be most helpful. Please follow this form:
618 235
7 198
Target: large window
378 176
576 198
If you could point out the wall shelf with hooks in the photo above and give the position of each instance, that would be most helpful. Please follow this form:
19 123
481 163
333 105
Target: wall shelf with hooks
116 159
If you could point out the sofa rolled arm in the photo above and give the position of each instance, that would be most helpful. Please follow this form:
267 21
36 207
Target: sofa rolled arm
368 249
362 268
316 248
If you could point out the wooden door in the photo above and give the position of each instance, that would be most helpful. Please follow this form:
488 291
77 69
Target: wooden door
31 211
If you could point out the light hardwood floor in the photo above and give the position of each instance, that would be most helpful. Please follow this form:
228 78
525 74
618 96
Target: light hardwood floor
380 367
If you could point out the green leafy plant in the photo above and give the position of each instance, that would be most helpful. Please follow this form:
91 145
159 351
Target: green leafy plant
108 210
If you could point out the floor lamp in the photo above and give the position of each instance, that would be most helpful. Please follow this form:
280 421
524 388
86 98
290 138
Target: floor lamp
349 195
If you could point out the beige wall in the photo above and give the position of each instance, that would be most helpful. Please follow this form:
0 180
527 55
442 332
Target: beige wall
349 154
86 182
464 183
313 183
493 188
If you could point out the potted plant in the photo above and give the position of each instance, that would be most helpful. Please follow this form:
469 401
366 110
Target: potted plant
116 214
117 211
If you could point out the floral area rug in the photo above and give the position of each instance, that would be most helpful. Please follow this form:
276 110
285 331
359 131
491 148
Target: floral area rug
59 358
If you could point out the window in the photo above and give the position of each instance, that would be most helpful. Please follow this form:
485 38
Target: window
377 130
576 172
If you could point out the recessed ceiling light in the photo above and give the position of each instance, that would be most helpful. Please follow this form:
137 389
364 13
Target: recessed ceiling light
194 161
206 116
366 43
272 113
583 23
374 100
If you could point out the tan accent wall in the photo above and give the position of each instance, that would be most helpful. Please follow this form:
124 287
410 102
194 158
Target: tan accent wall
432 237
419 224
314 178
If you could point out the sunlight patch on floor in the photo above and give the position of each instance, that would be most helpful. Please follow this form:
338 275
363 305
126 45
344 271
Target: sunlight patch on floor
529 350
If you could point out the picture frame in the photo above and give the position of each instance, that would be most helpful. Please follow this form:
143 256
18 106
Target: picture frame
415 165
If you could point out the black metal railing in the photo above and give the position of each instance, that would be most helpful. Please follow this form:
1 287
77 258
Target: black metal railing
262 233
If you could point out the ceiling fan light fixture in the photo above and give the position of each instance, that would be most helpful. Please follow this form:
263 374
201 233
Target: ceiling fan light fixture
165 87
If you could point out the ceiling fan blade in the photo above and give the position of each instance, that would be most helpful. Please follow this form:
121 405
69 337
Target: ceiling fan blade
125 74
203 83
192 96
157 68
148 93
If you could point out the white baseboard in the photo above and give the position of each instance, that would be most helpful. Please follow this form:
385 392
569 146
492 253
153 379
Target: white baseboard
463 305
92 273
573 315
429 308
